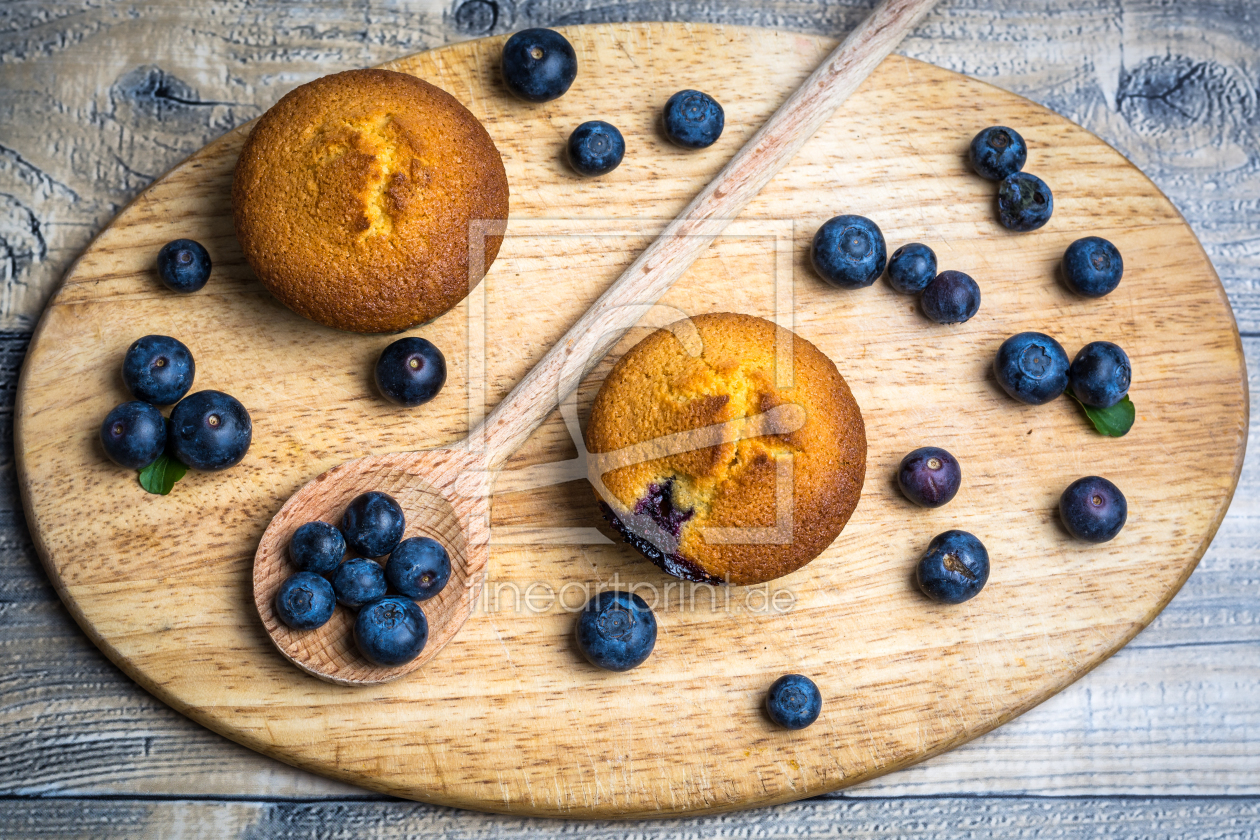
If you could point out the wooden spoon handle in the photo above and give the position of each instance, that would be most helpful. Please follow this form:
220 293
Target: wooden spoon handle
686 237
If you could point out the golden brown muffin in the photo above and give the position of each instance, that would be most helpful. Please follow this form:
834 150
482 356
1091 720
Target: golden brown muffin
789 493
353 198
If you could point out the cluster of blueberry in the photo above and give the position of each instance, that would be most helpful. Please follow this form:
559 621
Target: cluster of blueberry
389 629
1024 201
539 65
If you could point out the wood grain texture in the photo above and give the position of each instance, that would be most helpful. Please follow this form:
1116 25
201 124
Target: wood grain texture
908 680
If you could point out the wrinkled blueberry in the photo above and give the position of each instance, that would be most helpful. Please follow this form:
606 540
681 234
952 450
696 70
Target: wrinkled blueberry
911 268
1024 202
929 476
997 152
410 371
693 119
134 434
211 430
418 568
793 701
183 265
391 631
616 631
1031 367
951 298
373 524
1093 509
1092 266
305 601
954 568
317 547
538 65
359 581
158 369
595 148
1099 375
849 252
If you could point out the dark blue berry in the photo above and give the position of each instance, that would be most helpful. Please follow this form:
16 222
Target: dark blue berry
595 148
1092 266
538 65
849 252
1099 375
793 701
210 430
317 547
373 524
1031 367
616 631
359 581
929 476
411 371
418 568
998 152
1024 202
911 268
951 298
183 265
1093 509
134 435
158 369
391 631
954 568
305 601
693 119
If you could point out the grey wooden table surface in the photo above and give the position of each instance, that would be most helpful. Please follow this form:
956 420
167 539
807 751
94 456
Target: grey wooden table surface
99 97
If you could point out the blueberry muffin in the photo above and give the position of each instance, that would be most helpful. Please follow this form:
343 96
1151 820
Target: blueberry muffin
714 470
354 195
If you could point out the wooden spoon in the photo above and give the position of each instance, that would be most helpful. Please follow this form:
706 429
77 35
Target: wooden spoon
445 492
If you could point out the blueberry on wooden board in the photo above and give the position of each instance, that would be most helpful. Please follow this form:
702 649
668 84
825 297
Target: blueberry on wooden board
951 298
538 65
1032 367
1024 202
997 152
210 431
418 568
410 371
595 148
793 701
317 547
134 434
305 601
158 369
616 631
1092 266
929 476
954 568
911 268
373 524
1100 374
1093 509
359 581
391 631
693 119
849 252
183 265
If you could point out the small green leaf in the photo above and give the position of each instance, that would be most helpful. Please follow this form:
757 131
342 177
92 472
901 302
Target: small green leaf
1112 422
160 476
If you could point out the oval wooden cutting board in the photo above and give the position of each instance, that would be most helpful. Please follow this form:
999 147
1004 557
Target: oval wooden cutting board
508 717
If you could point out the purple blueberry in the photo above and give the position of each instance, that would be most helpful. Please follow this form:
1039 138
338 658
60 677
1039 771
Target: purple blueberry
1093 509
849 252
158 369
410 371
305 601
391 631
693 119
538 65
418 568
616 631
595 148
1032 367
210 431
954 568
183 265
134 434
373 524
359 581
911 268
317 547
1092 266
929 476
997 152
1024 202
793 701
951 298
1100 374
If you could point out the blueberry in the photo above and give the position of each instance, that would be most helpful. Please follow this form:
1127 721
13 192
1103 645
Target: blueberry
1093 509
693 119
793 701
1031 367
317 547
134 435
410 371
359 581
849 252
373 524
1024 202
391 631
595 148
952 298
418 568
954 568
158 369
211 430
1099 375
1092 266
998 152
538 65
911 268
305 601
929 476
183 265
616 631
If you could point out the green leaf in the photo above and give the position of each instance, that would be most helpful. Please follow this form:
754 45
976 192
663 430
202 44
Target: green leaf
1112 422
160 476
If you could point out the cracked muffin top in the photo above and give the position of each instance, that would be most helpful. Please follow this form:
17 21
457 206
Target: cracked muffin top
726 449
354 195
